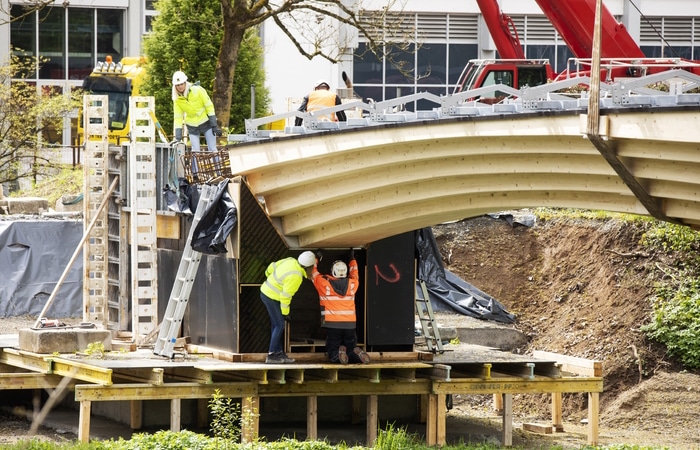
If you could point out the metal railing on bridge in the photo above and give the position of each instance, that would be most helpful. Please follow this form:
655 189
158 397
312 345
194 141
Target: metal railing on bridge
665 89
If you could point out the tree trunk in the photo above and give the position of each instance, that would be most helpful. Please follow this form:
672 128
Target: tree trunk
225 68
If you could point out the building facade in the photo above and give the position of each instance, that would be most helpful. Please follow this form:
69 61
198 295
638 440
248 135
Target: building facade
72 36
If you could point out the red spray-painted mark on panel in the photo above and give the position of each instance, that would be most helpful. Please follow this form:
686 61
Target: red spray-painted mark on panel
391 278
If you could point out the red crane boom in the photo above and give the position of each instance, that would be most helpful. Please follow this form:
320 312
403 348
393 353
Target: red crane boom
502 30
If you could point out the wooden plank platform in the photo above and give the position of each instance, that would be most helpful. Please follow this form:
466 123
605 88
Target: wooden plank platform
141 376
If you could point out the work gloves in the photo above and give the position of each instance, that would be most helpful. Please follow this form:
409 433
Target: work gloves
215 126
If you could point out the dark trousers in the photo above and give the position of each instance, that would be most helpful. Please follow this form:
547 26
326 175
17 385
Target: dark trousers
335 337
276 323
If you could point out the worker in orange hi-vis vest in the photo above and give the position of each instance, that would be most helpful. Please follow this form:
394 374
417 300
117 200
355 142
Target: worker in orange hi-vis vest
337 297
321 97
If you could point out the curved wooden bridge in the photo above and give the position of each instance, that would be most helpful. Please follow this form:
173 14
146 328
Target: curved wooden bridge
355 185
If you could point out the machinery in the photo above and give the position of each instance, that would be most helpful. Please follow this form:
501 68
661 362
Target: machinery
118 81
574 20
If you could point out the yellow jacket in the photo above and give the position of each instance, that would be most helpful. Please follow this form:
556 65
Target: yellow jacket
283 280
194 104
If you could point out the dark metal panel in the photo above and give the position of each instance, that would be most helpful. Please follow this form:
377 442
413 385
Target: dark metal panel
260 242
211 318
390 293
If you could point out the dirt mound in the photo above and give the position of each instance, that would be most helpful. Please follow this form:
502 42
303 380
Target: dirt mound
581 288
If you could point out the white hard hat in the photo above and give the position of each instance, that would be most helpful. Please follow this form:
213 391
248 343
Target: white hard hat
307 259
179 77
340 269
320 82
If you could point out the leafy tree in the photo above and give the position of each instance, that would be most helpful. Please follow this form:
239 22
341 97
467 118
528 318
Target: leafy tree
29 118
186 36
303 22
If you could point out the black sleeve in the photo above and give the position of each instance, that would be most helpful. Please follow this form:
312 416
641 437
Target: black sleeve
340 114
298 121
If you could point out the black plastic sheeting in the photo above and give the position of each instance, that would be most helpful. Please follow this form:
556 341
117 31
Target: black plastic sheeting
217 222
33 256
448 292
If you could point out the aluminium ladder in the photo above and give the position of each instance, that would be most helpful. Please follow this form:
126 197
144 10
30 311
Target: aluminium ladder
427 320
186 273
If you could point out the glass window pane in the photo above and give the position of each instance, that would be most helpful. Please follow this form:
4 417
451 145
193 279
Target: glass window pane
460 54
400 65
23 30
52 37
366 68
81 58
110 30
540 52
432 59
370 93
651 51
563 55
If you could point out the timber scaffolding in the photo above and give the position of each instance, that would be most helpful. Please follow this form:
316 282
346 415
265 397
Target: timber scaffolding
139 376
123 285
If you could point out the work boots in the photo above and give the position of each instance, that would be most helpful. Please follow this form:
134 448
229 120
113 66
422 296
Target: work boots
342 355
278 358
361 355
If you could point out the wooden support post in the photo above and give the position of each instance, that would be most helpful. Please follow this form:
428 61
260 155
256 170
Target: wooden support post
203 413
287 340
84 425
175 414
357 416
557 422
136 414
507 420
372 419
498 404
250 426
431 420
440 417
311 418
593 407
36 403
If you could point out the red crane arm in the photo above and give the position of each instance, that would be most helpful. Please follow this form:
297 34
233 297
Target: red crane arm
574 20
502 30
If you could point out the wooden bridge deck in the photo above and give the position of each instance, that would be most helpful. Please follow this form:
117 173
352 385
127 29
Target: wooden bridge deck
141 376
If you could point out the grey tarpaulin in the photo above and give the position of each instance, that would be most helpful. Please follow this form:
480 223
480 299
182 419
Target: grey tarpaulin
448 292
33 256
217 222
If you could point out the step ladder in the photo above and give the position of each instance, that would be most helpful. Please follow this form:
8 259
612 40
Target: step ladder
427 320
186 273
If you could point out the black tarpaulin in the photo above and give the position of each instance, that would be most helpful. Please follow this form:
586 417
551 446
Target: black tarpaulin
217 222
448 292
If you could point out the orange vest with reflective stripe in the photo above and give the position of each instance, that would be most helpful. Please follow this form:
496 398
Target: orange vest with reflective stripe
320 99
337 308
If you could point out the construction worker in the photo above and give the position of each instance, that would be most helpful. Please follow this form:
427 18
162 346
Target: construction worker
283 280
337 297
193 108
321 97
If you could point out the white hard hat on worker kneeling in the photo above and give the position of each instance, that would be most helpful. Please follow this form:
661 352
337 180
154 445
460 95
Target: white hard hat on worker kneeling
307 259
340 269
179 77
320 83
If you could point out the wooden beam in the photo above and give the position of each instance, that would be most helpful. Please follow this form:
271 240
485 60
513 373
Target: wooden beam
140 375
250 425
167 225
311 418
84 422
81 371
572 364
557 422
593 411
136 414
25 360
431 420
440 417
519 386
120 392
9 381
175 414
372 419
507 420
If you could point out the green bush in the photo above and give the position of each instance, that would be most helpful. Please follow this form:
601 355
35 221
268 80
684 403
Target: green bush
226 417
676 318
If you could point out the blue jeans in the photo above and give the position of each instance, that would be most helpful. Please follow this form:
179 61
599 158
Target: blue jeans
208 136
276 322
